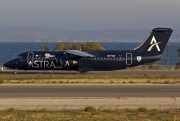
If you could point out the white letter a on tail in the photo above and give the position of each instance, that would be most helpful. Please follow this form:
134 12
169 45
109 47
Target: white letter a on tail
154 43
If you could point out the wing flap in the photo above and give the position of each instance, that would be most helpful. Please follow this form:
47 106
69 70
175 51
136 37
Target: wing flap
79 53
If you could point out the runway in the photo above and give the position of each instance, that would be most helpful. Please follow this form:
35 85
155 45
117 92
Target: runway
88 90
120 72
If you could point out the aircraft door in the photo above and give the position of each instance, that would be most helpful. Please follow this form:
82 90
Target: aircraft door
30 58
128 58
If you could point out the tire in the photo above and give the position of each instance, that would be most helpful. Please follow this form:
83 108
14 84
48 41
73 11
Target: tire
82 70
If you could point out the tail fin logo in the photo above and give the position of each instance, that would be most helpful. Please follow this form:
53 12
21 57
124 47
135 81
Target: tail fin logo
154 43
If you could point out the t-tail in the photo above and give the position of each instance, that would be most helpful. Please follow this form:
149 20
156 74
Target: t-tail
155 43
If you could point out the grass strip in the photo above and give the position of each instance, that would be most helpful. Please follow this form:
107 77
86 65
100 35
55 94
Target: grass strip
79 78
91 114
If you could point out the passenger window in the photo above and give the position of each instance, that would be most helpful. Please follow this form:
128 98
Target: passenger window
19 57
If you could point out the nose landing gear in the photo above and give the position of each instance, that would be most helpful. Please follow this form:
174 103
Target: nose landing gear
15 71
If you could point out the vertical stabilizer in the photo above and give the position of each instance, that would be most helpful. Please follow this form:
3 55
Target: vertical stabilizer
155 42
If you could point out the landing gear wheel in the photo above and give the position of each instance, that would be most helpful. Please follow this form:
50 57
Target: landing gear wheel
15 72
82 70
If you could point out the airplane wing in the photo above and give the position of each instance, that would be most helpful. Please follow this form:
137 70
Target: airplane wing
79 53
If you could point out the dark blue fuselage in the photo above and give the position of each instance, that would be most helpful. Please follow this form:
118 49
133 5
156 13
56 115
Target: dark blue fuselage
60 60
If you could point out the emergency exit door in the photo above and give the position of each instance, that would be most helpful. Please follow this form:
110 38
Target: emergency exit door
128 58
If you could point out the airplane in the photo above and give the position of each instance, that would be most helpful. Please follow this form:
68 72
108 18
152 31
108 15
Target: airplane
99 60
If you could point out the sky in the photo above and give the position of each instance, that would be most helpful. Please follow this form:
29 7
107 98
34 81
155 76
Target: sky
90 14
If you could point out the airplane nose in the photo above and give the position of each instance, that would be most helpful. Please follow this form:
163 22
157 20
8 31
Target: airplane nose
7 64
10 64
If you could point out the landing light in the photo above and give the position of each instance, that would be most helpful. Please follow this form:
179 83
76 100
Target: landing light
74 62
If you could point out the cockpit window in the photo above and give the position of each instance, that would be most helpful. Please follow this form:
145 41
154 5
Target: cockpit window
20 57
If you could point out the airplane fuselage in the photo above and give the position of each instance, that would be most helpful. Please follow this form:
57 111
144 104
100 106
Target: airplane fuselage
60 60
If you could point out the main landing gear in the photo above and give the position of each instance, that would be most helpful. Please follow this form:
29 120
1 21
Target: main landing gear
82 70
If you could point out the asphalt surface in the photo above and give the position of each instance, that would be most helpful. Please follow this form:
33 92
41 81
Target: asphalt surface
121 72
89 90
